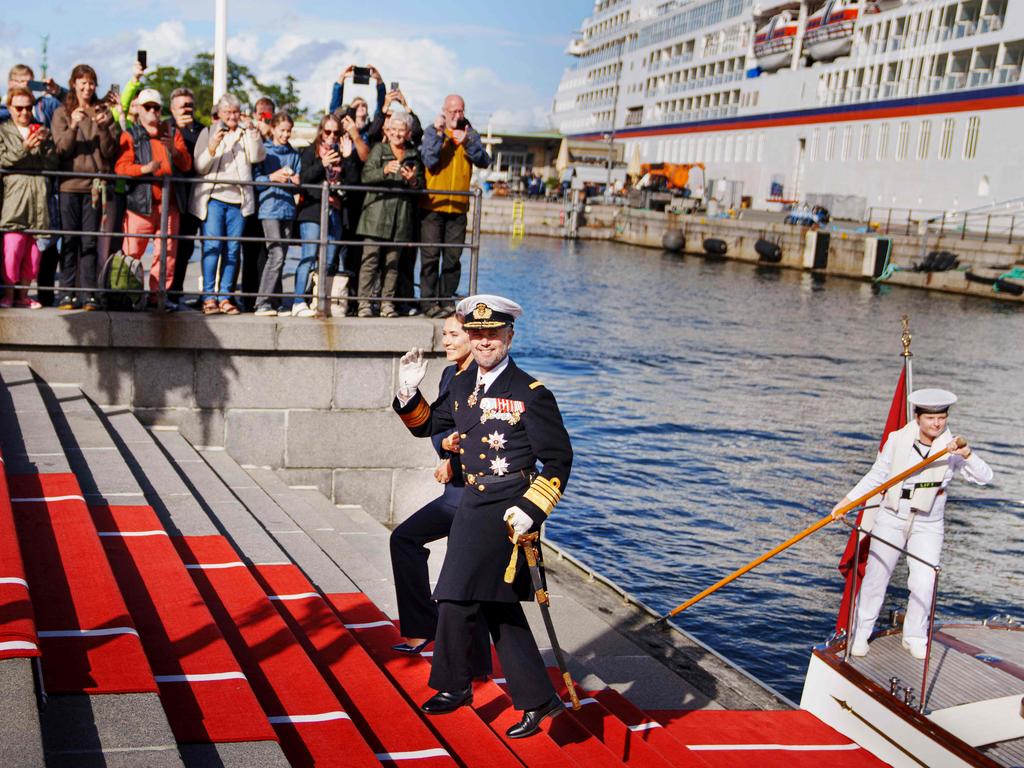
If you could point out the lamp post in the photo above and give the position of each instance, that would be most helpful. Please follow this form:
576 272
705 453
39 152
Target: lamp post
220 50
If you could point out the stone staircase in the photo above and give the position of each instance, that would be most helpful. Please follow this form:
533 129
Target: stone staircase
265 616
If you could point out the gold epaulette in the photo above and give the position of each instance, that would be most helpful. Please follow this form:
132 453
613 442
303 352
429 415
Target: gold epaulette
418 416
536 384
545 493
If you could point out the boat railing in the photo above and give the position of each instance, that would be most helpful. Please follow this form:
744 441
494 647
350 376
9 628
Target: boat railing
1007 73
990 23
851 618
980 77
323 241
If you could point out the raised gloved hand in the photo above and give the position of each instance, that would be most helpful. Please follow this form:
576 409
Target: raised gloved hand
520 521
411 370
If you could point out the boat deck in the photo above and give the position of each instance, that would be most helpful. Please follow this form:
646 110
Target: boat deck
970 663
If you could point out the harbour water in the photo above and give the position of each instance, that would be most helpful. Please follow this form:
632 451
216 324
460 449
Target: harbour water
717 408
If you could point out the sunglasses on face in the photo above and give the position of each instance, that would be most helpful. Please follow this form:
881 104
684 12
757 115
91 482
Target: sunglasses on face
329 132
187 105
151 107
21 107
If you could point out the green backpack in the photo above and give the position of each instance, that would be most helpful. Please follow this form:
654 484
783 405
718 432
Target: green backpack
124 276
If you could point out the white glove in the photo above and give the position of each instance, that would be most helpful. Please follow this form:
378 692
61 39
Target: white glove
411 370
520 521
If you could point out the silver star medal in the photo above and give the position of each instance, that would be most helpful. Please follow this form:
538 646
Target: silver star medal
499 466
496 441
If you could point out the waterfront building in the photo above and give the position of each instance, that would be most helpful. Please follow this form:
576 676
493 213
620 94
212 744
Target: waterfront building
882 103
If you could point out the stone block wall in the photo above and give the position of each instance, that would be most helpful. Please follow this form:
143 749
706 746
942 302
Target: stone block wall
311 398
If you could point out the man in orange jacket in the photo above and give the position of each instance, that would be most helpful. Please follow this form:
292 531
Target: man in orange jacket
450 149
150 148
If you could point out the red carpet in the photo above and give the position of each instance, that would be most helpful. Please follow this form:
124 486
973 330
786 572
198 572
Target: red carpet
387 721
462 731
609 730
782 739
202 687
17 623
89 643
308 718
648 730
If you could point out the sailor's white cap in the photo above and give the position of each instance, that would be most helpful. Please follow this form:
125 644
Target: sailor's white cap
932 400
485 310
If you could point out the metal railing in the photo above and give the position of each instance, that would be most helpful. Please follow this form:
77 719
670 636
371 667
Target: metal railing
851 619
987 224
323 242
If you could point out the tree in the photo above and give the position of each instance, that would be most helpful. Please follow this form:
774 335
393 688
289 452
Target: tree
198 77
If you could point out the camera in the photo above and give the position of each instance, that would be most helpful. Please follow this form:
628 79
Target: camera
461 124
409 162
361 75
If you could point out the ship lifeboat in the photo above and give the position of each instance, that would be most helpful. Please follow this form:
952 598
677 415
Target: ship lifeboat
773 43
829 32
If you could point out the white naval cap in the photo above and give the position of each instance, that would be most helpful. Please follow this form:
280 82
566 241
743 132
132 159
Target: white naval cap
931 400
485 310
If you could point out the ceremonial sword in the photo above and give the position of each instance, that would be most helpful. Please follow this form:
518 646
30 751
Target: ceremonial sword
526 541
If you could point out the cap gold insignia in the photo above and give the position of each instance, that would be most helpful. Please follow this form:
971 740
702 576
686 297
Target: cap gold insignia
482 312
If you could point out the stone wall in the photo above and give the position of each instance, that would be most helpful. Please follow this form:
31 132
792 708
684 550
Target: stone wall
309 397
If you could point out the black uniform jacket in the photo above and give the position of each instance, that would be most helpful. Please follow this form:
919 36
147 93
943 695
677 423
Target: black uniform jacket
504 433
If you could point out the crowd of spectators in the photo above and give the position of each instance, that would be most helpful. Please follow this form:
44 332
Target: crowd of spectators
239 185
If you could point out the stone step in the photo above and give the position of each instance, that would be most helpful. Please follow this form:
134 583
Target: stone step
75 729
94 452
22 742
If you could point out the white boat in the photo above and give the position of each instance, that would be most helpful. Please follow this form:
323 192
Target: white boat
900 105
774 42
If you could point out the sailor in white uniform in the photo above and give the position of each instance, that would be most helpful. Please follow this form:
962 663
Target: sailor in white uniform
911 515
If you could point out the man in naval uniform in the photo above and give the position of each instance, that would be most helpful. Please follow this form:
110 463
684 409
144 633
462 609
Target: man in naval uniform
911 515
501 422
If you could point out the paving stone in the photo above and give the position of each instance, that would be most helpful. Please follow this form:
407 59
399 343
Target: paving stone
358 335
103 374
263 381
321 479
368 488
256 437
364 382
253 754
75 723
341 439
56 329
21 745
164 377
200 426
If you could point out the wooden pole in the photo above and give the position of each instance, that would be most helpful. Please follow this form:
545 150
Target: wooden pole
958 443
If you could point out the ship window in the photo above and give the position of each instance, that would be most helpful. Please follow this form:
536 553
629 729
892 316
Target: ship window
847 142
903 141
971 140
865 142
924 138
815 143
946 141
883 142
830 145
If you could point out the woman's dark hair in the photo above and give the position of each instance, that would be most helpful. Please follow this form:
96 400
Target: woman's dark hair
80 70
281 117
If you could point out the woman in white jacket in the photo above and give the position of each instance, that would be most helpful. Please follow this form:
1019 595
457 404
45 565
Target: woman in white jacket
224 152
911 515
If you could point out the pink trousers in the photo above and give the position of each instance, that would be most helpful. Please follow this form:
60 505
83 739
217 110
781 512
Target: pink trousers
21 258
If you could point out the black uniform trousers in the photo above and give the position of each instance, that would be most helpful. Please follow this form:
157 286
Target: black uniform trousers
521 662
417 611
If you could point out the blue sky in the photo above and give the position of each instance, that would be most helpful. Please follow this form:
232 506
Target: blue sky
505 58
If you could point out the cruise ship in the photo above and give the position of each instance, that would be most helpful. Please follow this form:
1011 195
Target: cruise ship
871 104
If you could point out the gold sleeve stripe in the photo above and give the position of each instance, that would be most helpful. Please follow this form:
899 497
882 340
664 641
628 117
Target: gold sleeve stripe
544 494
417 417
543 504
549 485
537 384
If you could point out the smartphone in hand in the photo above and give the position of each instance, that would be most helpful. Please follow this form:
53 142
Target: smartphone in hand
140 57
361 75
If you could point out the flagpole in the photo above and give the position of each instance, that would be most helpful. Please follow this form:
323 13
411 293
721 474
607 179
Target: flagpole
908 366
220 50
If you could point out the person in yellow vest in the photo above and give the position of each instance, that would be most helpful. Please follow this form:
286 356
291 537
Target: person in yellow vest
449 151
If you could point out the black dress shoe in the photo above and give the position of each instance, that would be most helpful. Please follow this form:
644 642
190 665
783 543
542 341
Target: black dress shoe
532 718
406 648
443 702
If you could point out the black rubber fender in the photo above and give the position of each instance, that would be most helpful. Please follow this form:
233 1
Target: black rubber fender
768 251
673 241
715 246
